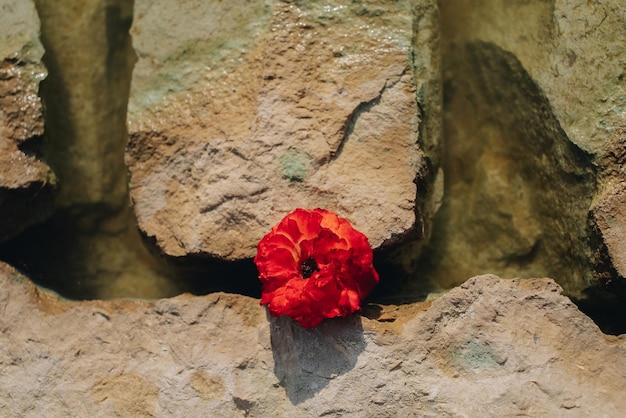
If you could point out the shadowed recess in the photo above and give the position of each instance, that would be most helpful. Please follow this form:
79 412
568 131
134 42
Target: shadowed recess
517 191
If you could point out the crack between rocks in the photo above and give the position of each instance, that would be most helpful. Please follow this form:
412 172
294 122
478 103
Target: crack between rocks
312 373
362 107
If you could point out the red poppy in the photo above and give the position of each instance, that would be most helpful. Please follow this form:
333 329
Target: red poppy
314 265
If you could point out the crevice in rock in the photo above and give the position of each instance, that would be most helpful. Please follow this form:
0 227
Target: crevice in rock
91 247
363 107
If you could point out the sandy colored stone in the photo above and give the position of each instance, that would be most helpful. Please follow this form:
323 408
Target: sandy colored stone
25 181
21 113
573 50
239 114
490 347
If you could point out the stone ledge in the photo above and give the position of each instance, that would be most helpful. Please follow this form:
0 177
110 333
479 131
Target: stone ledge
490 347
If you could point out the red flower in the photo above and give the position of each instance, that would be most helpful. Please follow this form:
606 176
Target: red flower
314 265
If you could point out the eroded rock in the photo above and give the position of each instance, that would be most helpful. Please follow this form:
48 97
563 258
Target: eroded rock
490 347
91 247
25 181
239 114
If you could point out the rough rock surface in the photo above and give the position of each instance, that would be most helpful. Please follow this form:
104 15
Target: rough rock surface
25 181
535 139
490 347
240 113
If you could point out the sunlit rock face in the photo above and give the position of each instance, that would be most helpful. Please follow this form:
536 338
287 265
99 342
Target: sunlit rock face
240 112
490 347
25 181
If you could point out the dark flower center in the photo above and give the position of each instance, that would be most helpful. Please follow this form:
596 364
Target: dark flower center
308 267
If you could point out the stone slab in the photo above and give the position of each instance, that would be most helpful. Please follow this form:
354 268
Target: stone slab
490 347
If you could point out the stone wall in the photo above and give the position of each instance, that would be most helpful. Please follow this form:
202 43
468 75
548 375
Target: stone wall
239 112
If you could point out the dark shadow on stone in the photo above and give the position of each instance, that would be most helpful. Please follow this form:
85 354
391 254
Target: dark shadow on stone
371 310
20 208
396 285
307 359
606 307
77 254
201 275
517 190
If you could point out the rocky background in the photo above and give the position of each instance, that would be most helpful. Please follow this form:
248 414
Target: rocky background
535 143
147 146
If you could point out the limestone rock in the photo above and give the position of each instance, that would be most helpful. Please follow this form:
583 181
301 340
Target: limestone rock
25 181
491 347
240 113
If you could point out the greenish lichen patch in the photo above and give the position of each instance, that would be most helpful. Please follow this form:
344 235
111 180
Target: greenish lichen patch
476 356
295 165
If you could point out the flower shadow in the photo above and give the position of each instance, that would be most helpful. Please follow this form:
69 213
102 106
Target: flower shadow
307 359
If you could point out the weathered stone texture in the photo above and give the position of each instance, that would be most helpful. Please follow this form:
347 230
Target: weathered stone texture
572 49
491 347
25 181
239 114
91 247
